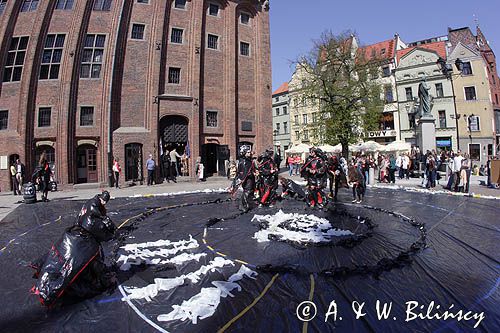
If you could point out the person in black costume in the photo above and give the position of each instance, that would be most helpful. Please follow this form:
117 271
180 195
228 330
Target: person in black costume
336 176
75 265
42 173
268 174
246 177
314 171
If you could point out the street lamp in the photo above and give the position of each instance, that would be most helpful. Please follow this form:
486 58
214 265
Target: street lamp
275 134
447 70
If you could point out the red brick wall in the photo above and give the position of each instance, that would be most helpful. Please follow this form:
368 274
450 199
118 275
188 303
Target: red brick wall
239 88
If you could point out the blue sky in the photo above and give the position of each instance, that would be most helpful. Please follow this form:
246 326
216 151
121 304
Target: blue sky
295 23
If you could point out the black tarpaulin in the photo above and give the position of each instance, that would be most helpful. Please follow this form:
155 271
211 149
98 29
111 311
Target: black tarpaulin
459 265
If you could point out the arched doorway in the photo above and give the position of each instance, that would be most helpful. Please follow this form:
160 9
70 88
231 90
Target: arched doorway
174 133
86 164
133 162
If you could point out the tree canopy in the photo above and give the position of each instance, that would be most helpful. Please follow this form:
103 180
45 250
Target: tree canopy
339 75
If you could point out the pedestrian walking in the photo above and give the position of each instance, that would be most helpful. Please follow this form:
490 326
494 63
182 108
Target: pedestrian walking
44 176
20 173
150 166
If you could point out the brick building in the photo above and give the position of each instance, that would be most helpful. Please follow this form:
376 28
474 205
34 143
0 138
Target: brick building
89 80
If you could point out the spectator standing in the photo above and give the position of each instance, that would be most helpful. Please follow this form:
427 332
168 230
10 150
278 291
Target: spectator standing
20 170
298 164
165 163
392 169
150 166
291 164
116 171
15 185
45 176
431 170
467 167
399 165
405 164
457 168
174 158
357 181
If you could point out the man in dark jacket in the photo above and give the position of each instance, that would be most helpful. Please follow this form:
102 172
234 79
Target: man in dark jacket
336 176
246 177
74 265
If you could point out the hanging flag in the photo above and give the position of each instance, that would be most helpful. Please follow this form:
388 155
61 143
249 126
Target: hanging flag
188 150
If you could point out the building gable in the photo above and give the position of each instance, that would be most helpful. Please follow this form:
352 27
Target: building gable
418 57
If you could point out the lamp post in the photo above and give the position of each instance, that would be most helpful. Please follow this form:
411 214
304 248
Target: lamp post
275 134
447 70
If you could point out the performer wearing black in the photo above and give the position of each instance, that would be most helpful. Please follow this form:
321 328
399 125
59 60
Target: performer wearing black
74 265
314 171
268 174
336 176
246 177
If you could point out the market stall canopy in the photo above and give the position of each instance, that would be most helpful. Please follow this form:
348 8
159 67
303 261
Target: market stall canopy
371 146
331 149
298 149
397 146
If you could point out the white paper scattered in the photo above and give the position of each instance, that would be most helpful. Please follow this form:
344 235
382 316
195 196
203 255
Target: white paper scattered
316 229
158 253
205 303
152 290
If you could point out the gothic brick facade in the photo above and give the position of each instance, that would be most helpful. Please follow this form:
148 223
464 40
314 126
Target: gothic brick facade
111 78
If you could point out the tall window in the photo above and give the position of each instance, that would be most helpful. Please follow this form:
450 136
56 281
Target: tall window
409 94
466 68
4 119
245 18
278 128
296 118
176 36
180 4
213 9
475 151
29 5
87 116
3 4
442 118
306 135
213 42
315 117
285 110
93 52
304 119
285 127
386 71
64 4
15 59
388 94
439 90
244 49
51 57
174 75
44 117
474 123
277 111
138 31
211 118
297 135
102 5
470 93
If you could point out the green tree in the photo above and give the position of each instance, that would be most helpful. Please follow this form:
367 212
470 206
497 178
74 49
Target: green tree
339 75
